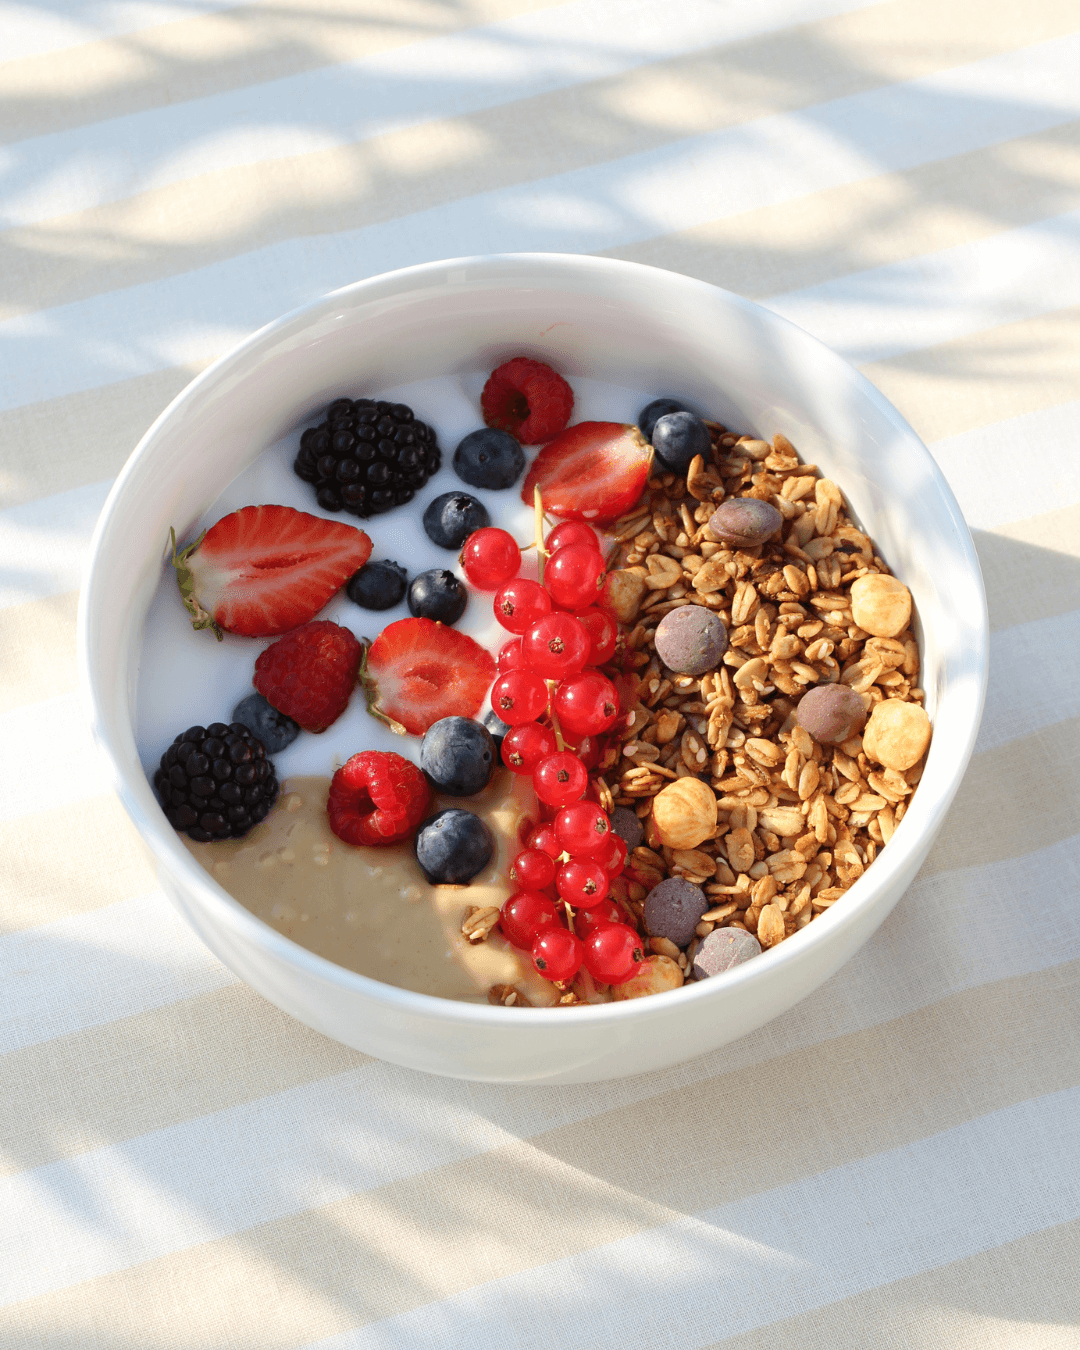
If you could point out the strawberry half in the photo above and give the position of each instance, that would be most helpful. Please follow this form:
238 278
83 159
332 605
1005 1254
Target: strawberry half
593 471
266 569
417 671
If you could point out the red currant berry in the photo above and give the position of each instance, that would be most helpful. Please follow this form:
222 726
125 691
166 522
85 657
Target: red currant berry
524 915
556 646
557 954
582 829
574 576
571 532
520 603
525 746
560 778
510 657
581 883
490 557
586 704
612 856
613 953
533 870
519 696
543 838
607 911
604 633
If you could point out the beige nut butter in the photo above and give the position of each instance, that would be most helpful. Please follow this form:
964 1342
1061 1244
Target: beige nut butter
371 909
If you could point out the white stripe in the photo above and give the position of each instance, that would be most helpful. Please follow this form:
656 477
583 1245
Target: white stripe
50 758
44 543
1033 682
33 30
446 76
91 968
776 1254
203 1178
989 467
190 317
938 297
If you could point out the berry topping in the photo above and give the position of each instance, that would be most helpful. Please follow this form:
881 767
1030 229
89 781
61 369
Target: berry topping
575 576
560 778
659 407
581 883
520 603
613 953
519 696
525 915
555 646
533 870
607 911
582 828
215 782
264 570
489 458
309 674
691 640
367 457
612 857
453 846
266 724
510 656
378 585
678 438
458 755
437 595
450 518
528 399
594 471
556 954
418 671
571 532
586 704
377 797
673 909
496 726
526 745
745 522
603 632
490 557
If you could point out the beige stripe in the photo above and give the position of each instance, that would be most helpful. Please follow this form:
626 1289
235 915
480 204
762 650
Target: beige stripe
156 1068
232 49
878 220
1031 568
37 650
1019 797
181 226
68 860
421 1239
985 377
1021 1296
81 438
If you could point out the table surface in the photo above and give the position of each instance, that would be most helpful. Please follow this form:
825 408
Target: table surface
896 1162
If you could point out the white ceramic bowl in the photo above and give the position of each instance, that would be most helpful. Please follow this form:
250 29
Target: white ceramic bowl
615 321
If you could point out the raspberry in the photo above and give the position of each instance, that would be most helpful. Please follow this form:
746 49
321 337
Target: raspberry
310 673
528 399
377 797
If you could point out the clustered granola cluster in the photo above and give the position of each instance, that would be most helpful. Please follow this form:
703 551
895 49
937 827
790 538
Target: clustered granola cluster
781 825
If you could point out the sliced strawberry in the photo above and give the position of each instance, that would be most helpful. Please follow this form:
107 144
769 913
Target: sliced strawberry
266 569
594 471
418 671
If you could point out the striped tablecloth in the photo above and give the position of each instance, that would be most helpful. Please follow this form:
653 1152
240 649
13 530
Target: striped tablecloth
896 1162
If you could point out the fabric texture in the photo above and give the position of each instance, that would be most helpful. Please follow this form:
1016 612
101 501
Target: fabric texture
895 1162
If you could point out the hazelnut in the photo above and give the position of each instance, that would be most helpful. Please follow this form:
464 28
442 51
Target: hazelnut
831 713
880 604
684 813
897 734
654 976
622 594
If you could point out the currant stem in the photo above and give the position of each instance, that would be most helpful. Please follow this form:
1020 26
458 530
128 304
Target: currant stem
560 744
538 527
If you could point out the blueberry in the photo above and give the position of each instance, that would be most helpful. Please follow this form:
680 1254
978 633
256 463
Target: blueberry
437 595
458 755
451 518
659 407
453 846
273 728
489 458
378 585
496 726
677 437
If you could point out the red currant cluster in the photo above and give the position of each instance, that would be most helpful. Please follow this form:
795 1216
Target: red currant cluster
557 704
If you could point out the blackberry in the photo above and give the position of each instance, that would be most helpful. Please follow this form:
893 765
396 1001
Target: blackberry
367 457
215 782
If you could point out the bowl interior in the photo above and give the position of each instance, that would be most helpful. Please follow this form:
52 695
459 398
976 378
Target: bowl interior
632 325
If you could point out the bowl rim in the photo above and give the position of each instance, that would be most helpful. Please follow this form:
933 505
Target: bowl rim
165 845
